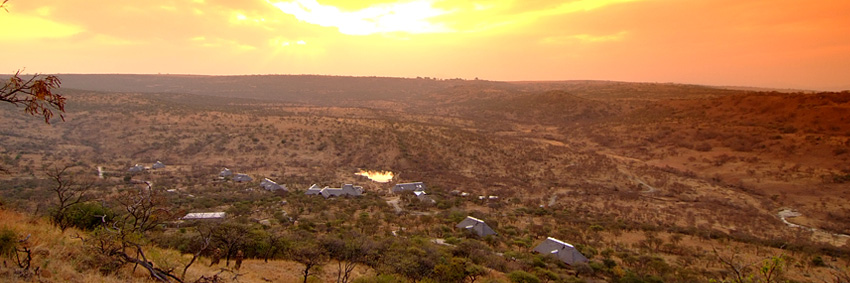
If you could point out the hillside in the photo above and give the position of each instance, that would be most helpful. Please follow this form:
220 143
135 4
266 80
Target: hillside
650 181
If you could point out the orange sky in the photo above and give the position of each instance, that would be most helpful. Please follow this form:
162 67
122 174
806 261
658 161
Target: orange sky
768 43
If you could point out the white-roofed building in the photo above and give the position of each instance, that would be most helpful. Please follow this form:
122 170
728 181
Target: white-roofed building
204 216
563 251
346 190
158 165
476 226
270 185
136 168
416 186
242 178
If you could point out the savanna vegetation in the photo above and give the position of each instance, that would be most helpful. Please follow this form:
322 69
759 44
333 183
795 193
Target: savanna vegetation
652 182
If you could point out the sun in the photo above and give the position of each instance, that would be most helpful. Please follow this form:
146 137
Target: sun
407 17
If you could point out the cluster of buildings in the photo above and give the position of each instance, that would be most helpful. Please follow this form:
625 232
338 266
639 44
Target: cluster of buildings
139 168
563 251
238 177
346 190
418 189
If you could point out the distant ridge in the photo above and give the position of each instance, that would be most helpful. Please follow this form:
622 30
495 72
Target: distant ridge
766 89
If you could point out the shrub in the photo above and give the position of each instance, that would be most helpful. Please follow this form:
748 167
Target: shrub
703 146
520 276
818 261
87 216
383 278
788 130
8 242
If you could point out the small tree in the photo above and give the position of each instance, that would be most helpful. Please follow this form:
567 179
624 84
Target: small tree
309 253
348 250
231 236
770 269
69 191
202 243
144 210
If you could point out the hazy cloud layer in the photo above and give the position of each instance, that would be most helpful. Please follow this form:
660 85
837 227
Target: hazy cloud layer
780 43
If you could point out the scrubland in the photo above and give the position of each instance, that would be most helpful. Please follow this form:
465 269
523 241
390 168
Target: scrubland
652 182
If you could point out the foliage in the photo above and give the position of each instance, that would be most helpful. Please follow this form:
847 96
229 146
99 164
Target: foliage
36 94
309 253
88 215
383 278
520 276
13 247
458 270
8 242
768 270
348 250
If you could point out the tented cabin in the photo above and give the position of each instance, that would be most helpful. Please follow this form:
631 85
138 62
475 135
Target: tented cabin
476 226
242 178
423 196
136 168
346 190
225 173
158 165
313 190
270 185
204 216
416 186
563 251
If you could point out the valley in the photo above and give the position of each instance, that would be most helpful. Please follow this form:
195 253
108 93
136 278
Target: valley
652 182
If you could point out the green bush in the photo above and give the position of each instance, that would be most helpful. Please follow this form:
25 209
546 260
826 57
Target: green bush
520 276
8 242
87 216
818 261
383 278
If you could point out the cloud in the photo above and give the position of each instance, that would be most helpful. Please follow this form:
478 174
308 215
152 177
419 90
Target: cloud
24 27
584 38
407 17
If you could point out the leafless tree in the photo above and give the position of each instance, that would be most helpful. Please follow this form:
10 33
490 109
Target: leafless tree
769 270
143 210
69 190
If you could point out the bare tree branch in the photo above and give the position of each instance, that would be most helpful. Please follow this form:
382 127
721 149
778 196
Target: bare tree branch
69 191
36 94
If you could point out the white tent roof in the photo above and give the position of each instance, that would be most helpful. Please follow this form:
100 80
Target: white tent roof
270 185
313 190
563 251
415 186
242 178
204 215
477 226
158 165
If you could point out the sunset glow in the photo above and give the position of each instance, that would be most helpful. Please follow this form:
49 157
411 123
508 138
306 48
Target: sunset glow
767 43
408 17
376 176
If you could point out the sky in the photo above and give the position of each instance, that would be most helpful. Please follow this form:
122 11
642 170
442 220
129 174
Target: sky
761 43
